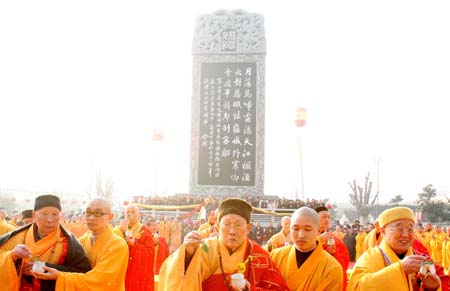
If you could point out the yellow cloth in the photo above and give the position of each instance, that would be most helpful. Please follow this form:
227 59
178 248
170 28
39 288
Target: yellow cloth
135 231
436 246
176 230
5 227
446 254
371 272
109 259
47 249
278 240
164 230
203 265
359 244
396 213
207 228
319 272
371 240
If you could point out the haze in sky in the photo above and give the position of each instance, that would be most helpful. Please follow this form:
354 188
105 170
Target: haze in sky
84 85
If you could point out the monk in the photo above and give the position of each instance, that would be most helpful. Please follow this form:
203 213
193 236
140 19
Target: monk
373 238
210 267
436 244
281 238
359 242
27 217
141 251
392 264
305 265
107 253
161 247
209 228
44 240
333 245
4 226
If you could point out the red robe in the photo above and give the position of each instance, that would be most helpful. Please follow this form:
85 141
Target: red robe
262 275
162 252
420 249
341 255
140 275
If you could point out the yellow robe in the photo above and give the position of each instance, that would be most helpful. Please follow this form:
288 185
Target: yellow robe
279 240
436 246
359 244
164 230
446 254
207 228
109 259
5 227
371 240
372 273
320 272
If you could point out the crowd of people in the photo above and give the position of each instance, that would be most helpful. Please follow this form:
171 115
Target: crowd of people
260 201
41 249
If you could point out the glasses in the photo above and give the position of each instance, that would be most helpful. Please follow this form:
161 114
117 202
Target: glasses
95 213
47 216
409 230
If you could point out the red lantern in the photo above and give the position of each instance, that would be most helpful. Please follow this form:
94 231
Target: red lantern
125 203
300 117
329 206
13 200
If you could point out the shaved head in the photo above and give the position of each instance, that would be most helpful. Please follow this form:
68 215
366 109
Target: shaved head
306 211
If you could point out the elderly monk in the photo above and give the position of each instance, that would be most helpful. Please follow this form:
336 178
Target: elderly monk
141 249
305 265
107 252
44 240
393 264
333 245
210 267
281 238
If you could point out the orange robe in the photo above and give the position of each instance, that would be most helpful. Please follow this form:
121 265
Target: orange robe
204 271
108 256
140 275
59 250
320 272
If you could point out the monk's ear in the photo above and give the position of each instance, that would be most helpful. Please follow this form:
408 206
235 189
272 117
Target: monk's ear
249 226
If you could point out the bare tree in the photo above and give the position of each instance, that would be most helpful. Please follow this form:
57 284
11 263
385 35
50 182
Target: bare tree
361 197
105 191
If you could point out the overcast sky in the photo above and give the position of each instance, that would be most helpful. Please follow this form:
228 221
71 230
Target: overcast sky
84 84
